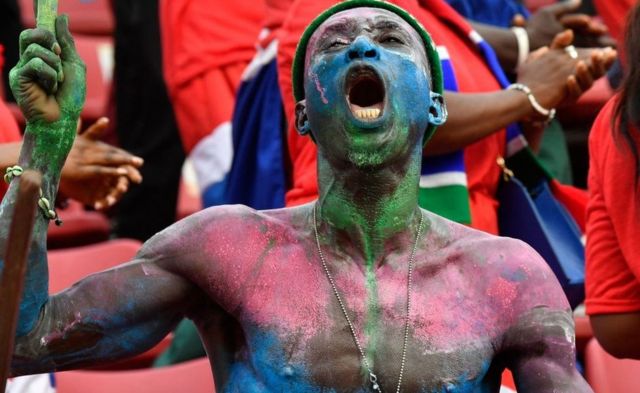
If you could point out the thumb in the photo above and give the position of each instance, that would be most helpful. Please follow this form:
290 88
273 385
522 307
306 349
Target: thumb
518 21
65 40
562 40
95 131
564 7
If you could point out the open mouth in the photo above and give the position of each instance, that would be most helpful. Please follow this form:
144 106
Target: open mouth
365 93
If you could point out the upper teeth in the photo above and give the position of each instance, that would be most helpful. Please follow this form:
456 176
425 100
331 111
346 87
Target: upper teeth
367 113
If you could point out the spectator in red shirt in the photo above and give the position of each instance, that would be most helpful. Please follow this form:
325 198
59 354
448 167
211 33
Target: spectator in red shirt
613 216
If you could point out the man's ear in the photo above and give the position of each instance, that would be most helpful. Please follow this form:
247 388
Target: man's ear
302 121
437 110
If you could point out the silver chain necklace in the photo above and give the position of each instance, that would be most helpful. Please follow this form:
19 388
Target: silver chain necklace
372 377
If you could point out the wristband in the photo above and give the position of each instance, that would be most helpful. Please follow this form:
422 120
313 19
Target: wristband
548 113
523 44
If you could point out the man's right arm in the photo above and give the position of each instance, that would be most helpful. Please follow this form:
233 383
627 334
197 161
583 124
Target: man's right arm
108 315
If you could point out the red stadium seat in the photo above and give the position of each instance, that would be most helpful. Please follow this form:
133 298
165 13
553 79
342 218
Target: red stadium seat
192 377
584 333
85 16
588 106
97 53
189 200
607 374
79 228
66 266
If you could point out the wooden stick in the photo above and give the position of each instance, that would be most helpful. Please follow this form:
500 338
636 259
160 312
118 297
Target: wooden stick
15 266
46 12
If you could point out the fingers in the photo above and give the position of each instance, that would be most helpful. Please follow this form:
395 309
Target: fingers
114 195
36 51
561 40
42 37
519 21
133 174
580 22
574 91
533 56
563 7
38 71
97 129
67 45
583 76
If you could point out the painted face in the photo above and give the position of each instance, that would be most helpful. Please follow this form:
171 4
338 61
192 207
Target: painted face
366 82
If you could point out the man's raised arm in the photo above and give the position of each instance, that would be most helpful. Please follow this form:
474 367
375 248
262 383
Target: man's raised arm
108 315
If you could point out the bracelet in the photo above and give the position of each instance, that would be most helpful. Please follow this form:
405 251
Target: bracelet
43 203
523 44
548 113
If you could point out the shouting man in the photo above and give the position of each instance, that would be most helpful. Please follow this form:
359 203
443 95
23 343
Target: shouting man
360 291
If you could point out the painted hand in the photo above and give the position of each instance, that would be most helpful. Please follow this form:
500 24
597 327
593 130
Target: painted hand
95 173
555 78
551 20
49 80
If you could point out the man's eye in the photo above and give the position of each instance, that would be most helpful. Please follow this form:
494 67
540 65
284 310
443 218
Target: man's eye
391 40
337 44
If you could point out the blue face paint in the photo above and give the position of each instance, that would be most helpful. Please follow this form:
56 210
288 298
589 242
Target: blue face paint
405 107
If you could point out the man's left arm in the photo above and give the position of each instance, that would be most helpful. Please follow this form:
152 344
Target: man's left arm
540 352
539 346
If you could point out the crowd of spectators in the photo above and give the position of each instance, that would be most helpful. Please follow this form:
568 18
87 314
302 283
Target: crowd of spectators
211 81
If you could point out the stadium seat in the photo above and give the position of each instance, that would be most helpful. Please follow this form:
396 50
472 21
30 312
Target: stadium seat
97 53
584 334
193 377
588 106
66 266
189 200
79 228
85 16
607 374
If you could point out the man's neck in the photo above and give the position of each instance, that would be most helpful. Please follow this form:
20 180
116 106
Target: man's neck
369 211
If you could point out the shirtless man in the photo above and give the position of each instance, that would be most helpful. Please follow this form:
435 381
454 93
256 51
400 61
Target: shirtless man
426 305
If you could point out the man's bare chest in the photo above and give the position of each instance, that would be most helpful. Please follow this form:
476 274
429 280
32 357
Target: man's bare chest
295 329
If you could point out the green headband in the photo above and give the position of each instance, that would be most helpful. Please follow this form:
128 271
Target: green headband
301 50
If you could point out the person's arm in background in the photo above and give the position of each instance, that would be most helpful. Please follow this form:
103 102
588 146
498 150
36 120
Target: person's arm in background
553 77
94 173
541 29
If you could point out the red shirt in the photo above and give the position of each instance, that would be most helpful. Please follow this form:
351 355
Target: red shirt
472 75
206 46
9 130
613 222
614 15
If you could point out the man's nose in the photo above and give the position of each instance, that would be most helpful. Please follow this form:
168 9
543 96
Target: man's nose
363 48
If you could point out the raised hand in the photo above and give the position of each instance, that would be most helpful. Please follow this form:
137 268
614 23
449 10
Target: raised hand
49 80
96 173
556 78
550 20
